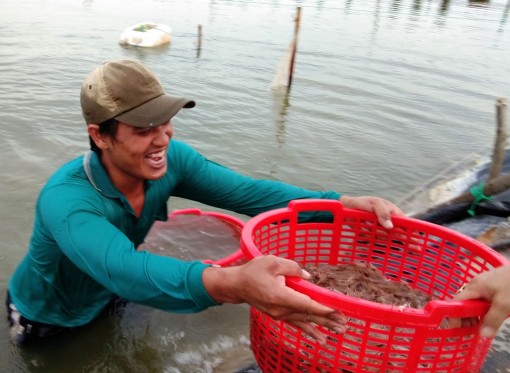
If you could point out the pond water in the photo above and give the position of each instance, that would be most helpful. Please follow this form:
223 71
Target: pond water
385 95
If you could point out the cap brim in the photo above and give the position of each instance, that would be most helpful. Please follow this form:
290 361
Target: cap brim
154 112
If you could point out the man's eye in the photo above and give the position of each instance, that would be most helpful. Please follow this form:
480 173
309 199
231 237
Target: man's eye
144 132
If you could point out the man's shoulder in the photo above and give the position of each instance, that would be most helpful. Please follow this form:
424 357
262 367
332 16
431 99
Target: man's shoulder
178 145
70 173
70 167
182 151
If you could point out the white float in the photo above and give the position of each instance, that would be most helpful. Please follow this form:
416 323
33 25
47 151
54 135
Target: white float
146 34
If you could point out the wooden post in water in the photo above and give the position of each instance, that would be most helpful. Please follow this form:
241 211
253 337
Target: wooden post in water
498 154
496 183
294 47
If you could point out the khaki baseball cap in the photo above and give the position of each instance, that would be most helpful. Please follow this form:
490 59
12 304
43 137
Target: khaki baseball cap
129 92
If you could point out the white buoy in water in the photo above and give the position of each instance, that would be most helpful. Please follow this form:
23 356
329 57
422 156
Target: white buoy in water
146 34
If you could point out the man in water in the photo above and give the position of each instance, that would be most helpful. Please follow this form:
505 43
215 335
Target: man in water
95 210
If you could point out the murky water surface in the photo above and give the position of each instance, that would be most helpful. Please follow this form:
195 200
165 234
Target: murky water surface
385 95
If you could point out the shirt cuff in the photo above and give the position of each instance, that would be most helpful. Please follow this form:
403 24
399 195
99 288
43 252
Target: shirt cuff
196 285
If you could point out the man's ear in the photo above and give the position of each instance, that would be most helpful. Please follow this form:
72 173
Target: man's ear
98 137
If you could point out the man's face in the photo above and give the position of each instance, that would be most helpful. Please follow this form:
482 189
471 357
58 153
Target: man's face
136 154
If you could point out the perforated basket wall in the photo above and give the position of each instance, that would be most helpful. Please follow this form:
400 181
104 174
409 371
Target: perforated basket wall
379 338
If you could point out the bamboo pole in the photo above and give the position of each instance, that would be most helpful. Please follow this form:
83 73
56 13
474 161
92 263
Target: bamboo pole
498 155
498 185
294 46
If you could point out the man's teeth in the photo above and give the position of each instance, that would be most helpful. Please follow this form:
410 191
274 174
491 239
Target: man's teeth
157 155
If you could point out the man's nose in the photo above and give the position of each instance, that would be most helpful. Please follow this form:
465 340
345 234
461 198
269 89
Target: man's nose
163 135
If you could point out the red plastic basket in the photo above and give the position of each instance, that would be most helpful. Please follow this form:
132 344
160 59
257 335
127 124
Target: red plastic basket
234 258
379 338
237 257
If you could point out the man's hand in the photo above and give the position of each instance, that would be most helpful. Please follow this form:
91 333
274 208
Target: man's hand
493 286
381 207
261 283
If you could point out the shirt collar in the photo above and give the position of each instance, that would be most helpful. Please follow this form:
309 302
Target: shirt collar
100 180
98 176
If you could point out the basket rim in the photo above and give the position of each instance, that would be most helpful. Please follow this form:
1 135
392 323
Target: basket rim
239 223
220 215
432 314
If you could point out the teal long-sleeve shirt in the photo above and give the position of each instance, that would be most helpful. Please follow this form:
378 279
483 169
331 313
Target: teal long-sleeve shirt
83 247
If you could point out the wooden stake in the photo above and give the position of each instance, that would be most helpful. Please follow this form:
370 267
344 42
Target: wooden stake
497 183
498 155
294 46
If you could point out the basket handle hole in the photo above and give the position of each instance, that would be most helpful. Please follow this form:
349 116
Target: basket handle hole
316 216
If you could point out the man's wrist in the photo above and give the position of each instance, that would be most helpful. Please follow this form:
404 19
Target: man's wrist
221 285
345 200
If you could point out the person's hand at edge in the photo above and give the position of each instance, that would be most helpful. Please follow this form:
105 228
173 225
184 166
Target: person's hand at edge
493 286
381 207
261 283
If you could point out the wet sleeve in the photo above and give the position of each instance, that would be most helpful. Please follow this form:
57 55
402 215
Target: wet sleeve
103 252
208 182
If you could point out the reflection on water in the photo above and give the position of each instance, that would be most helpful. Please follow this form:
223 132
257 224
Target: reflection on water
140 53
280 109
504 18
385 95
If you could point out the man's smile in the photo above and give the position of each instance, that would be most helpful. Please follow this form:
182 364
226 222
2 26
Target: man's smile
156 159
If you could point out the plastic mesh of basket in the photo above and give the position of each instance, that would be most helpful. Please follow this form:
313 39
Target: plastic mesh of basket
379 338
235 258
